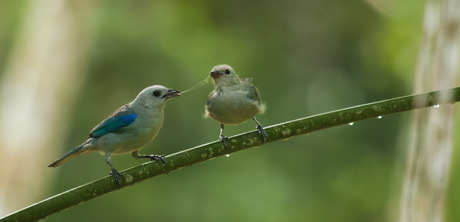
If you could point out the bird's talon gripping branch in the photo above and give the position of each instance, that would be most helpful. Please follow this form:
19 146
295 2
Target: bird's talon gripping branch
158 157
116 176
223 139
261 130
152 157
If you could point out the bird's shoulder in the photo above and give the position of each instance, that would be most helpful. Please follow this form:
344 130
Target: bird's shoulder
119 119
251 91
123 110
248 80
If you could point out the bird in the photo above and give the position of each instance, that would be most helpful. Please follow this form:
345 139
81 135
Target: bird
127 129
233 100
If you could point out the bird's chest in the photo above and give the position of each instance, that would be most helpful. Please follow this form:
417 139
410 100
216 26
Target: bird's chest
227 99
231 106
146 127
140 133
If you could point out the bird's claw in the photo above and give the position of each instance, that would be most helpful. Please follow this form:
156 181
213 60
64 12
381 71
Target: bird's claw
116 175
261 130
152 157
223 139
158 157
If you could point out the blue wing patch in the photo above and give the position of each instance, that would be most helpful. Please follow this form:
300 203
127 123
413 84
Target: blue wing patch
112 124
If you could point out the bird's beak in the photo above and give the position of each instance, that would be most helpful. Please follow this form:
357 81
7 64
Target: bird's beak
215 74
171 94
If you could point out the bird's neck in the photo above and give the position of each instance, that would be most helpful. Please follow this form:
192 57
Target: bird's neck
231 83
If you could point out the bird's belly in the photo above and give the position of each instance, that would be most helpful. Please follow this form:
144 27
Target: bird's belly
133 145
121 143
227 112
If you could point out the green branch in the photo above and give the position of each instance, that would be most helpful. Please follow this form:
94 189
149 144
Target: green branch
243 141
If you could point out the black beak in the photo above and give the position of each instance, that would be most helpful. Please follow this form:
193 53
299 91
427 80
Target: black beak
171 94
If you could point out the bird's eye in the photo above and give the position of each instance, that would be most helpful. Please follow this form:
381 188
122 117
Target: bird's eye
227 71
156 93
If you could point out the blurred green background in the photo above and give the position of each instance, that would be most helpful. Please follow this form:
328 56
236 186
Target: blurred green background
306 57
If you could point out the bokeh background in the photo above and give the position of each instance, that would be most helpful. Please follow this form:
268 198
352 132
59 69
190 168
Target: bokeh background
306 57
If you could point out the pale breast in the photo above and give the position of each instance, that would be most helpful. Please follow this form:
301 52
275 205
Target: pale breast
135 136
231 106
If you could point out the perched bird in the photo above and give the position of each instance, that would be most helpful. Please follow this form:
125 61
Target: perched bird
233 100
128 129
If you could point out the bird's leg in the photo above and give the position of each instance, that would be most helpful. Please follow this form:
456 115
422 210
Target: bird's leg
261 130
116 175
222 138
152 157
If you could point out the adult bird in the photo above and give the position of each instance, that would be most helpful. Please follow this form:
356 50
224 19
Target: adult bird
128 129
233 100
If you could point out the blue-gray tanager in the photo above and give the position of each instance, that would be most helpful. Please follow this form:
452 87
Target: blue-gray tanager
128 129
233 100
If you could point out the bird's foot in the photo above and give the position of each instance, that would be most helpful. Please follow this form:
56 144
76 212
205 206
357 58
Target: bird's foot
262 132
152 157
157 157
223 139
116 175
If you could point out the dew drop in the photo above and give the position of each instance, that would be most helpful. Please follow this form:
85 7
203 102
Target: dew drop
379 117
227 155
351 123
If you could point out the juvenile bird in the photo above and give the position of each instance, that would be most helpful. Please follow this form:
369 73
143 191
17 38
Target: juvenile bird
128 129
233 100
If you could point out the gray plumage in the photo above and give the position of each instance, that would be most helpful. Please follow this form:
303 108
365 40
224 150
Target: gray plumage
233 100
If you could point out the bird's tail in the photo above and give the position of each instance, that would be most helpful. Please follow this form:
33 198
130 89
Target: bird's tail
69 155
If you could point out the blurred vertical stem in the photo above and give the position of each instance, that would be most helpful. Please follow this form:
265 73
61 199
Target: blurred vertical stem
41 79
430 148
198 154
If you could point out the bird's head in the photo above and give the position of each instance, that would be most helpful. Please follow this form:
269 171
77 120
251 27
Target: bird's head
155 96
224 75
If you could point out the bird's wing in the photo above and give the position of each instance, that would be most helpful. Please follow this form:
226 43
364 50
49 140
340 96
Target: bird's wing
115 122
248 80
253 93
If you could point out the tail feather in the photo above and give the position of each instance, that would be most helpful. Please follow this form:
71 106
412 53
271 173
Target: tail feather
69 155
